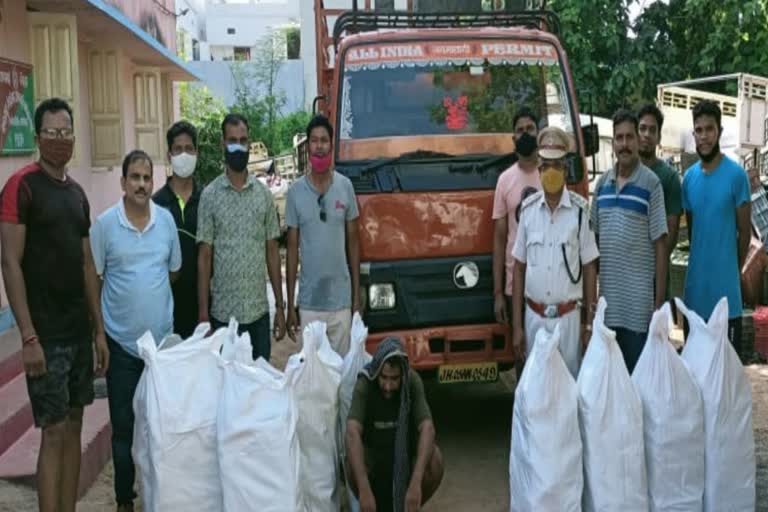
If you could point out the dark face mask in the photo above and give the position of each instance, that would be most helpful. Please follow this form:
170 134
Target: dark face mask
525 145
236 159
56 152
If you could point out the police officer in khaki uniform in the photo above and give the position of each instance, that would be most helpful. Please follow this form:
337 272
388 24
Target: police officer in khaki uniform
556 254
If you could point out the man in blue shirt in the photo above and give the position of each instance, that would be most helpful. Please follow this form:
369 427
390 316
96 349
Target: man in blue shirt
716 200
137 254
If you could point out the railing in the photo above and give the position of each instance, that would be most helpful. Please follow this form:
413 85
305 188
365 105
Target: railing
352 22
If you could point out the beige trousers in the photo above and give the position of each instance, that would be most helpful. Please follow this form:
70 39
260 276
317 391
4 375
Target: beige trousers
337 326
570 333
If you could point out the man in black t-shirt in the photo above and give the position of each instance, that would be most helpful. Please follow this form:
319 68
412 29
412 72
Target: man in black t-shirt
393 462
54 294
181 196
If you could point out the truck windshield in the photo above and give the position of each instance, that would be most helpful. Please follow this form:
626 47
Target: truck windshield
454 97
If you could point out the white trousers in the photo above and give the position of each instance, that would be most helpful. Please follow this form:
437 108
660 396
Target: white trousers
570 333
337 326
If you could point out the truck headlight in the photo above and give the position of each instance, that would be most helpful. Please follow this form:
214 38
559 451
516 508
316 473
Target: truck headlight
381 296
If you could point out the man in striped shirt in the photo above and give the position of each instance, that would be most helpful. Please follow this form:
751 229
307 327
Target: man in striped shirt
629 221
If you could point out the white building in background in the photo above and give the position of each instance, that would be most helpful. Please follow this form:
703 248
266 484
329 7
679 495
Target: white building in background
307 22
190 30
234 28
216 30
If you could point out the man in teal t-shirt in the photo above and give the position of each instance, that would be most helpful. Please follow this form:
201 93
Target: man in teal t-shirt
717 205
650 122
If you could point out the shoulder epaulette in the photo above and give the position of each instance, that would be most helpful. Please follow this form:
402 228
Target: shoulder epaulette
531 199
578 200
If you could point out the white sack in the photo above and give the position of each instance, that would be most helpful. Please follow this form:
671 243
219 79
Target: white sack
730 444
257 442
611 419
545 462
353 362
174 436
317 398
673 422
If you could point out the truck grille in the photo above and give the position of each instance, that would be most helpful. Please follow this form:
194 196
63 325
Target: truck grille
427 295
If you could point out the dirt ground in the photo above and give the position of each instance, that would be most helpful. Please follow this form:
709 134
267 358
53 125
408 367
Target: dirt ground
473 426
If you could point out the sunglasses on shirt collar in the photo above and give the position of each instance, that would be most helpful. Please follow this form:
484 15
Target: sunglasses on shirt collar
321 204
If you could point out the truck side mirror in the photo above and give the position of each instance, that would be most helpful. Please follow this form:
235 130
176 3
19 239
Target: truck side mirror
317 100
302 148
591 137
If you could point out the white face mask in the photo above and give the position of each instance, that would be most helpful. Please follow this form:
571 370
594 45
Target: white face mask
183 165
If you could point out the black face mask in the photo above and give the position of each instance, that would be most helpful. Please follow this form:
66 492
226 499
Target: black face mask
525 145
236 160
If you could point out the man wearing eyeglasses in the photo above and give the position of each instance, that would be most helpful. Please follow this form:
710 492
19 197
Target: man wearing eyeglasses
53 289
321 215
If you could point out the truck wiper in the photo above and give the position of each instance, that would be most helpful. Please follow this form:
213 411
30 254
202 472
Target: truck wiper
411 155
485 164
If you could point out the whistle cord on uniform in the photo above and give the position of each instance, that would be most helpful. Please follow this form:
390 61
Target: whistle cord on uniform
568 267
565 258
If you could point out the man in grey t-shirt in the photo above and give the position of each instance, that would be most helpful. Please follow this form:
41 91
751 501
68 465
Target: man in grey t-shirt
321 215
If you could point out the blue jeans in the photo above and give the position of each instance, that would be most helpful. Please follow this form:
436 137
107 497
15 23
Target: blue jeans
122 378
631 344
261 344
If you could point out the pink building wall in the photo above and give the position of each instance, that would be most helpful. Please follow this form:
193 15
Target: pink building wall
14 45
102 186
154 16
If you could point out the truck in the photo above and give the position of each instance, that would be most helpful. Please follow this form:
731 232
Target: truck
743 100
423 103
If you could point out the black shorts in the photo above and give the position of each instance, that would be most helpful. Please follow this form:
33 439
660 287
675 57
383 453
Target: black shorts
381 486
67 383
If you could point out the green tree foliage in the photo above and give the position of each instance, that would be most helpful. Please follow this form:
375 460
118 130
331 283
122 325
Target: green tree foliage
205 112
695 38
616 65
594 34
262 109
293 43
288 126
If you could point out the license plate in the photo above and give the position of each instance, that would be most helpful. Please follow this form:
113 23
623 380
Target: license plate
468 372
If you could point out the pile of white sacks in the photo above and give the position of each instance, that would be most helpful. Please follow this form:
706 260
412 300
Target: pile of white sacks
676 436
217 431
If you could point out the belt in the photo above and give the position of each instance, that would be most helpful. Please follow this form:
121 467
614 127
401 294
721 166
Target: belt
552 310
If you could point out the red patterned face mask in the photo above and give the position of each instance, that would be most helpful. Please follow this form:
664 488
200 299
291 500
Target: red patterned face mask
320 163
457 116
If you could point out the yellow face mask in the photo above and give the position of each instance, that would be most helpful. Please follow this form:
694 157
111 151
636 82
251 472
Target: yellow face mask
552 179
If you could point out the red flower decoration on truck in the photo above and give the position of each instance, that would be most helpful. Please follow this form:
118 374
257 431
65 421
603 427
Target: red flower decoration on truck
457 116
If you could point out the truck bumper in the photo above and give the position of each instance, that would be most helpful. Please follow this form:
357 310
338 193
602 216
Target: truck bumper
430 347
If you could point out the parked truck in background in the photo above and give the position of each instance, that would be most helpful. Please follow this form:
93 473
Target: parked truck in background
423 104
743 100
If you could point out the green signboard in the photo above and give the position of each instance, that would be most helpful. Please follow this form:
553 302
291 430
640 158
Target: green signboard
17 107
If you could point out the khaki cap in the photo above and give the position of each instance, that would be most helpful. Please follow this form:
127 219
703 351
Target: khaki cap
553 143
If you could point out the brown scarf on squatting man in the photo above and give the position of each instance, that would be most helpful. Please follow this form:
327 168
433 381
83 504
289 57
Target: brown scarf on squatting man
389 348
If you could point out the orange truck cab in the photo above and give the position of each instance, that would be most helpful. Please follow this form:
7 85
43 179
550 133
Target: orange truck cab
422 106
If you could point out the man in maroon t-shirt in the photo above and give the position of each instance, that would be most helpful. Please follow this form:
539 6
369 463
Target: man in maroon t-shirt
53 289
